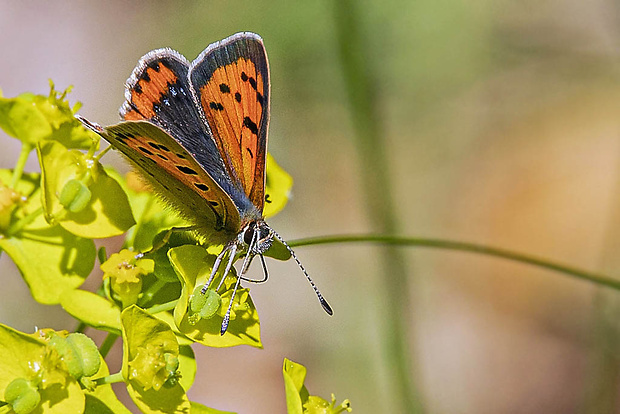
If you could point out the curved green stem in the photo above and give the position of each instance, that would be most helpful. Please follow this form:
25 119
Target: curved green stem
462 246
162 307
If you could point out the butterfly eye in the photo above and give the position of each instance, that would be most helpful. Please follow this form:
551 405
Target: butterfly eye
249 233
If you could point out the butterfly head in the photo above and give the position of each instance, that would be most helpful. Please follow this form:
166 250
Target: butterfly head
256 237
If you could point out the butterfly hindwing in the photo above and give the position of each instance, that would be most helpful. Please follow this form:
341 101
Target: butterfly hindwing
174 173
231 82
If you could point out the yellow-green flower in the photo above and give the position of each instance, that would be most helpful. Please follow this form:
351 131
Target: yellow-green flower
125 271
153 366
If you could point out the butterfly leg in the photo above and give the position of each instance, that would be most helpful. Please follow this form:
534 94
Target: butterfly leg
226 320
216 266
244 268
265 273
233 253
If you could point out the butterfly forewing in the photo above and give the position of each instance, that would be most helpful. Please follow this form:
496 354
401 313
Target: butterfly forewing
159 92
231 82
168 167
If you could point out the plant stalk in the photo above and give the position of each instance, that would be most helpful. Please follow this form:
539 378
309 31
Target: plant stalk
360 82
596 278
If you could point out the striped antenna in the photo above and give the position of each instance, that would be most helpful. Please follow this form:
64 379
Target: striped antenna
324 303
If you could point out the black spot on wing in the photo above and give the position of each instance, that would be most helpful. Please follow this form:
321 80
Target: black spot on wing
247 122
145 150
157 146
186 170
244 77
224 88
216 106
201 186
238 97
253 83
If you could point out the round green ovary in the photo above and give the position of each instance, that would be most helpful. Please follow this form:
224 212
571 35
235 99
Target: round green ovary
74 196
22 396
207 304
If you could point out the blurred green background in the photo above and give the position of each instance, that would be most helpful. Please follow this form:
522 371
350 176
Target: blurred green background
499 121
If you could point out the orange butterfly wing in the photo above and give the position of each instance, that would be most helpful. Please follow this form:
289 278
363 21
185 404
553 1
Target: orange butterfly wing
231 82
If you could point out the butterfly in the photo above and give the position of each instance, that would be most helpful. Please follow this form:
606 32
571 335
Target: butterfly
197 133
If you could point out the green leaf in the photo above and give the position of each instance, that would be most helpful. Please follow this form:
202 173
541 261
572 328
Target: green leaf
105 212
165 401
146 342
296 393
187 366
168 318
201 409
17 349
193 264
63 260
21 119
92 309
33 118
14 202
278 251
298 400
278 184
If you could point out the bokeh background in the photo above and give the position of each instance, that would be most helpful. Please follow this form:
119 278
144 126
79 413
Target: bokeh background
500 125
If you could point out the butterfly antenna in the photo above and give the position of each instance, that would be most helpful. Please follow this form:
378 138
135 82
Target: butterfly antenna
324 303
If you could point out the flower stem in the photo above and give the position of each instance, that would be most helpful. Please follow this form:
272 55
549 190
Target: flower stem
111 379
162 307
462 246
102 153
23 222
107 344
148 295
21 163
360 80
